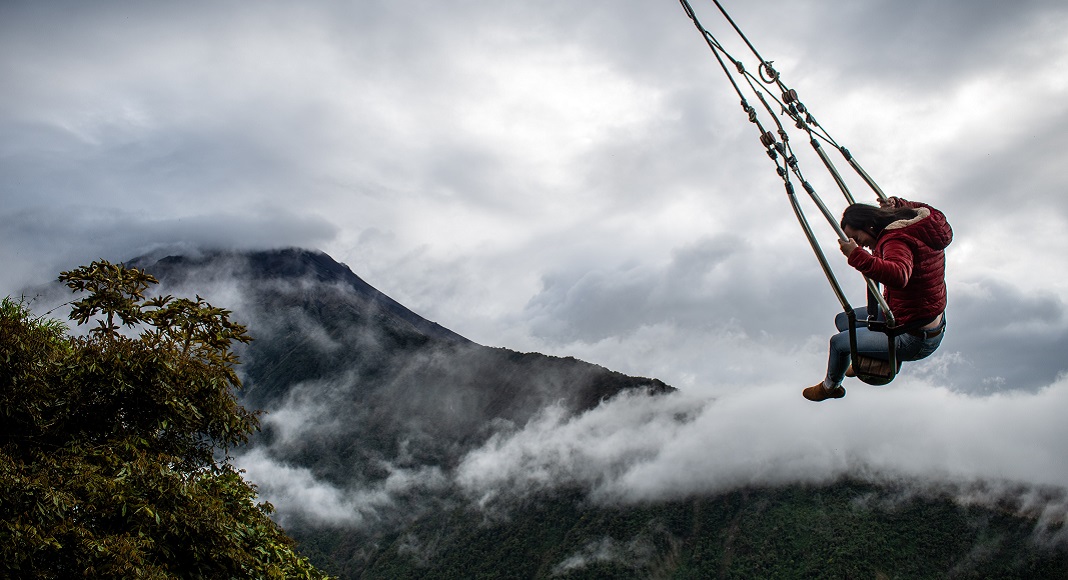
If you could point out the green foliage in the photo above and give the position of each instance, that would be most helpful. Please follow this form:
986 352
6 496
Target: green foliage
113 290
113 446
844 530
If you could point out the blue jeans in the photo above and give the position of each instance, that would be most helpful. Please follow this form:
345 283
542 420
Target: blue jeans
874 344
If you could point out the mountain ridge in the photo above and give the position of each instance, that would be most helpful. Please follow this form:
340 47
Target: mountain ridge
378 370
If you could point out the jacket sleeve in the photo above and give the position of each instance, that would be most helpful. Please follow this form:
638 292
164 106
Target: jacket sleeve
892 269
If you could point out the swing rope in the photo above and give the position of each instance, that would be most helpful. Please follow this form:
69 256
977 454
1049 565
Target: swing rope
781 152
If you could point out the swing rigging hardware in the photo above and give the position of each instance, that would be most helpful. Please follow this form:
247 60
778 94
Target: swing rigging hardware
778 147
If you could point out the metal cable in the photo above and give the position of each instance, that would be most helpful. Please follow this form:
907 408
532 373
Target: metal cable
791 106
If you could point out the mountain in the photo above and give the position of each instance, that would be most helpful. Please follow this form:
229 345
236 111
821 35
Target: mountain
389 387
372 410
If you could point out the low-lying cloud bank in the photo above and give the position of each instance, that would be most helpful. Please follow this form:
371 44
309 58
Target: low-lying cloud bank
297 494
636 448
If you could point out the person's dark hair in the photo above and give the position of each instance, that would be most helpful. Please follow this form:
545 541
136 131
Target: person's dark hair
861 216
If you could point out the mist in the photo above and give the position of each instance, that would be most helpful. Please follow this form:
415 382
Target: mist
634 449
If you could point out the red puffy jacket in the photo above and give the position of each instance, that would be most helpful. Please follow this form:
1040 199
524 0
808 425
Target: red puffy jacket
909 260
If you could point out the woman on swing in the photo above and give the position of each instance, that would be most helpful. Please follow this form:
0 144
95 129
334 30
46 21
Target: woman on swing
907 242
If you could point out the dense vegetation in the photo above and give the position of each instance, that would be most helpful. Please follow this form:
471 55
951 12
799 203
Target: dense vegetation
113 445
845 530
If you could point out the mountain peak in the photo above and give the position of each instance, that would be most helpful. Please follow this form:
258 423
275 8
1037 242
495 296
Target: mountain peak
313 319
291 264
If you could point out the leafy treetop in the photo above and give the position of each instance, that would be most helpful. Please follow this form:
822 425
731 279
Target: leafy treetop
114 446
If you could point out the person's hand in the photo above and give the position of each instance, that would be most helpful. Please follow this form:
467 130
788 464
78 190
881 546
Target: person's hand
847 246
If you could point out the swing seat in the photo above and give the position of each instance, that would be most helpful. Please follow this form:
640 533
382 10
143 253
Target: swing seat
875 371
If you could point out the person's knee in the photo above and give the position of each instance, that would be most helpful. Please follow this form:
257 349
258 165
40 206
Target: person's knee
840 342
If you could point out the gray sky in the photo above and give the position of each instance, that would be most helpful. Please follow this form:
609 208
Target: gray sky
576 178
569 177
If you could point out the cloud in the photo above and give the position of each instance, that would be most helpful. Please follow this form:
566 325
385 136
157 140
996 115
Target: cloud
710 284
548 177
298 495
994 314
1003 449
555 451
635 554
38 243
640 449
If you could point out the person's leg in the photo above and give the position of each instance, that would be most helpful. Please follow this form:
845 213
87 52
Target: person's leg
841 321
869 343
839 355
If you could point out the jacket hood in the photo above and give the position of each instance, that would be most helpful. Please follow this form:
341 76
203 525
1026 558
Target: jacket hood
929 226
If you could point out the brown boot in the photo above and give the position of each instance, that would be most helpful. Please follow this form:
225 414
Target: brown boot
819 392
849 372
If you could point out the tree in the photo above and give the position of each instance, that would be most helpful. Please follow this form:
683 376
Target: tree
114 446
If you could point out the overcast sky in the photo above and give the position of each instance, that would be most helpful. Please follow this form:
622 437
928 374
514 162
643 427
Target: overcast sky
575 178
